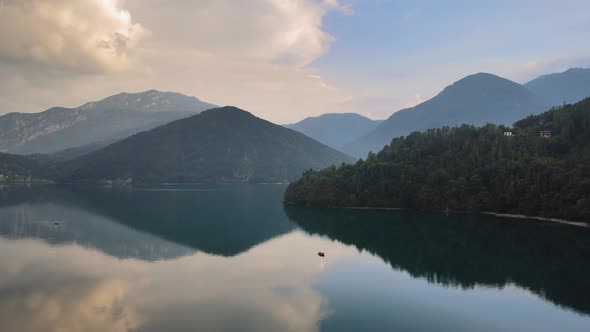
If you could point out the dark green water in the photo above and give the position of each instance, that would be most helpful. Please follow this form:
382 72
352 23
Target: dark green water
232 258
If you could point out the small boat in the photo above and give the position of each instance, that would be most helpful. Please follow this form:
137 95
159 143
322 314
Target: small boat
321 254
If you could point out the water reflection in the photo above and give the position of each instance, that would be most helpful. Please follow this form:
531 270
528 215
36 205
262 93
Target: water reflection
174 221
71 288
550 260
228 258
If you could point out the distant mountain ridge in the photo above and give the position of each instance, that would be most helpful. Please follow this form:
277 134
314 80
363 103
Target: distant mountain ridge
335 129
476 99
111 118
219 145
567 87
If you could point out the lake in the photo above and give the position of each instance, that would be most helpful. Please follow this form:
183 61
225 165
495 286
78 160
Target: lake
233 258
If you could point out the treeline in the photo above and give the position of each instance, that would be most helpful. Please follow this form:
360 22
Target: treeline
470 169
15 169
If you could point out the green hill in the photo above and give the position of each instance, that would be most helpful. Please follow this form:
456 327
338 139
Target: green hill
470 169
219 145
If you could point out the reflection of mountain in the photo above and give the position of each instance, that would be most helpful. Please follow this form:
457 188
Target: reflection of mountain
37 219
223 220
550 260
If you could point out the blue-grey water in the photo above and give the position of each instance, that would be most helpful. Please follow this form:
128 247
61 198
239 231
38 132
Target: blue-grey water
233 258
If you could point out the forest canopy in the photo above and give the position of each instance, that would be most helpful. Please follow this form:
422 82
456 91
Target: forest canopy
471 169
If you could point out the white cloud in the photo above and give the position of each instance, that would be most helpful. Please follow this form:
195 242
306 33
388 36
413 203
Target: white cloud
253 54
283 31
89 36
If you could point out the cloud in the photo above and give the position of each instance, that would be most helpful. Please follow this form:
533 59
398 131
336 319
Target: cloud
87 36
255 55
345 9
280 31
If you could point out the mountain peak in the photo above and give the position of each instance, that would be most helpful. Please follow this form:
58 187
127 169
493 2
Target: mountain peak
476 99
225 109
221 144
149 101
108 119
335 129
482 78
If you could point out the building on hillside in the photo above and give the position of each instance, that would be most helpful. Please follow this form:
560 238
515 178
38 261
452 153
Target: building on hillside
545 133
507 133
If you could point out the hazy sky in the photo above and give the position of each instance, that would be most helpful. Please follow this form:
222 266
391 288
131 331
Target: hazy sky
282 60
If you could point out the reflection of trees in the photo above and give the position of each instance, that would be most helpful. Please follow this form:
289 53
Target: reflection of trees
550 260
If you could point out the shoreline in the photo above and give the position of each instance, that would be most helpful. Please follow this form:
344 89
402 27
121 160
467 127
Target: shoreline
367 208
495 214
522 216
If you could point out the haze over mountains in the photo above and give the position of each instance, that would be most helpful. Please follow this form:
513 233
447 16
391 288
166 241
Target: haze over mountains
335 129
109 119
219 145
567 87
93 142
477 99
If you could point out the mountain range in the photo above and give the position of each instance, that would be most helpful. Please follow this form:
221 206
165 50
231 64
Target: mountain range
335 129
131 135
567 87
109 119
478 99
224 144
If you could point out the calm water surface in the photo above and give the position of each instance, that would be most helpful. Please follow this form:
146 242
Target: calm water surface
232 258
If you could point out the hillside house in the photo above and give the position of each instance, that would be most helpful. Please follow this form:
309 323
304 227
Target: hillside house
507 133
545 133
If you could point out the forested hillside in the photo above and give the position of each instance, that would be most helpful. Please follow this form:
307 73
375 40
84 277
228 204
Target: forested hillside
219 145
470 169
15 168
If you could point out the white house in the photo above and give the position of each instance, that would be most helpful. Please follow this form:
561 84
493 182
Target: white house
507 133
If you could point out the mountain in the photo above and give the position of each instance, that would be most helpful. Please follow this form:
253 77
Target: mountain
335 129
568 87
476 99
470 169
219 145
71 153
112 118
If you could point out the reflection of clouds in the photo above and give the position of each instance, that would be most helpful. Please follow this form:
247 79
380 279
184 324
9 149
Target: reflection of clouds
84 306
71 288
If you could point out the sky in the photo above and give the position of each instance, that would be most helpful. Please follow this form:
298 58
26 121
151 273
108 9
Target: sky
282 60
